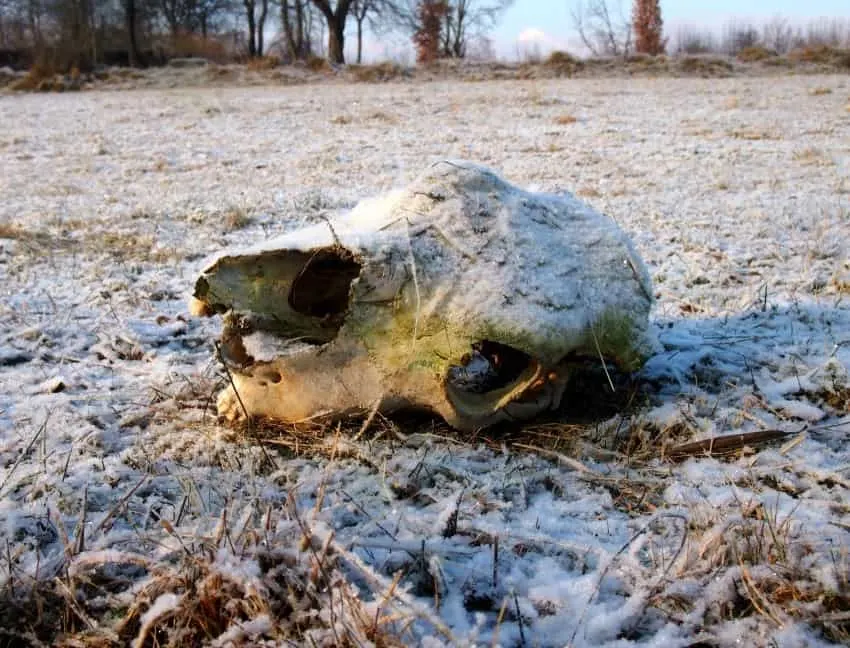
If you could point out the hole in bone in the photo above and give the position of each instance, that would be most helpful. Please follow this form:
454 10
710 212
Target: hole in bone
272 376
322 287
489 366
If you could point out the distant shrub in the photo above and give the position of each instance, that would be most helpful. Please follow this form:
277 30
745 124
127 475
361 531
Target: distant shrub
814 54
318 64
563 63
754 53
559 57
262 63
705 66
376 73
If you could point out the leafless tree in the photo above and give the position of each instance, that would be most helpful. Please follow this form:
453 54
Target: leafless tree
366 12
256 12
464 21
467 19
603 27
694 40
296 18
335 18
777 34
738 36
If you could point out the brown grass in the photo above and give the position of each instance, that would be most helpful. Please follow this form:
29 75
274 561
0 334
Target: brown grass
754 54
563 63
376 73
301 589
705 66
823 55
564 120
263 63
235 218
318 64
820 91
752 134
342 120
765 558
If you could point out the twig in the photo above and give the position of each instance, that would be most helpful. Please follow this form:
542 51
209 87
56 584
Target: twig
519 621
120 504
602 358
230 378
726 444
25 452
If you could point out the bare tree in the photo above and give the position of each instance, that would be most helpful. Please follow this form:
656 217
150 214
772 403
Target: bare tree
335 18
256 12
296 17
463 21
777 34
366 11
603 27
466 19
738 36
694 40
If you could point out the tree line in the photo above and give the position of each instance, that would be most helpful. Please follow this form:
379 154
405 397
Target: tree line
608 28
65 34
82 33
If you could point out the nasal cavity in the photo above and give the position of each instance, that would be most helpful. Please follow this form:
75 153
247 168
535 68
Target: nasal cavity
322 287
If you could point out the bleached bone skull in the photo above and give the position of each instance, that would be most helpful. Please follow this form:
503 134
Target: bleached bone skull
461 294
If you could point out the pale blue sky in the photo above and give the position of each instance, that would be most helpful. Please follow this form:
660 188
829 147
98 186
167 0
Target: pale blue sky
552 17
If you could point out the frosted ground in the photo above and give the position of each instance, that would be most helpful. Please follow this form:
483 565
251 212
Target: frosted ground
114 473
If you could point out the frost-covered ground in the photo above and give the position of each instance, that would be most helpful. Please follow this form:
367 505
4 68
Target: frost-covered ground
737 193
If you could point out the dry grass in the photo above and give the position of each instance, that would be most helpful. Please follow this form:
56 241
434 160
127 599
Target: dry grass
263 63
318 64
342 120
705 66
288 586
754 54
564 64
764 557
235 218
564 120
823 55
377 73
752 134
820 91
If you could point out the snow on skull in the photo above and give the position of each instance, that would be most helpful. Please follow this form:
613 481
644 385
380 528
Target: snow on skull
461 294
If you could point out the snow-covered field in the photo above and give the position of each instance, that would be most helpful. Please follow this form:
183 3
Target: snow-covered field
114 474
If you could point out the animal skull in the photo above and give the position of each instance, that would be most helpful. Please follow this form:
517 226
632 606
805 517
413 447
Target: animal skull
461 294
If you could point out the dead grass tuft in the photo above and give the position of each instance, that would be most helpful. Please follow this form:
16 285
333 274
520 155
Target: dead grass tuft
822 55
754 54
564 120
263 63
563 63
271 581
752 135
318 64
705 66
376 73
764 557
236 218
820 91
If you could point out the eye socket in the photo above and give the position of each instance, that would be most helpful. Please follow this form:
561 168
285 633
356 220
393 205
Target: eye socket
322 287
490 366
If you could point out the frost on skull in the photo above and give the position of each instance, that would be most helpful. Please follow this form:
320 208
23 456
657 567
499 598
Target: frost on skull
461 294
